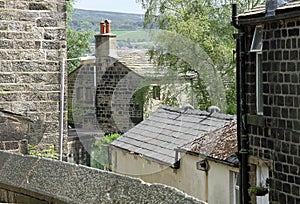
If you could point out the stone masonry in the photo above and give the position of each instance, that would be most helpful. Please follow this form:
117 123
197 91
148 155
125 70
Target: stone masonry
32 45
274 136
28 180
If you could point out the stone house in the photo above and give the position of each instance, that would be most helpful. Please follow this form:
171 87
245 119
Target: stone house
32 45
109 93
268 67
188 149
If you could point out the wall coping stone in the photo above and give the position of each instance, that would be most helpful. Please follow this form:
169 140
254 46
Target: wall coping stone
71 183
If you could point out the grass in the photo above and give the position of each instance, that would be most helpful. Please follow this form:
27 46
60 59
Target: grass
132 35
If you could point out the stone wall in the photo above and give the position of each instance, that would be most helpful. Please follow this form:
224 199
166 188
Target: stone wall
115 106
32 44
28 179
274 136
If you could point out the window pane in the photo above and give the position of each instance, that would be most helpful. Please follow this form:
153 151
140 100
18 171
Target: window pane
257 40
259 86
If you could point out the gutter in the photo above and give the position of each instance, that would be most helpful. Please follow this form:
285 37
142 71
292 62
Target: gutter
241 108
206 157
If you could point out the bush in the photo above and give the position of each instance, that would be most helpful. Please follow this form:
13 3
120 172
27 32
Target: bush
47 153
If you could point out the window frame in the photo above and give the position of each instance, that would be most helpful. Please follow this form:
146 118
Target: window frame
256 47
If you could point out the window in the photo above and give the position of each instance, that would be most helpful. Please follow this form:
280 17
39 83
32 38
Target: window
234 186
156 92
256 47
262 176
259 86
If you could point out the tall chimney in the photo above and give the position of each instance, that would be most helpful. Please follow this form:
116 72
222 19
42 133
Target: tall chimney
272 5
105 41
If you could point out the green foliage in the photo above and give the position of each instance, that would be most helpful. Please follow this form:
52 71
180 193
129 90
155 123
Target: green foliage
110 138
259 190
47 153
77 40
141 96
207 24
100 152
121 21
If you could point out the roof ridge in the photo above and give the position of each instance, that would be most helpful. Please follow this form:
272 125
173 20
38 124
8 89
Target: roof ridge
198 112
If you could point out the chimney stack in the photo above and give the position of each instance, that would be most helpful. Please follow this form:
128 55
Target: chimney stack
105 42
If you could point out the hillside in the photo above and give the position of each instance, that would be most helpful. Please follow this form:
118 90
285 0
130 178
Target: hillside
121 21
128 27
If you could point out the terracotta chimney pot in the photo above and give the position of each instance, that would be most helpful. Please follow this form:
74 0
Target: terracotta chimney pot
102 27
107 26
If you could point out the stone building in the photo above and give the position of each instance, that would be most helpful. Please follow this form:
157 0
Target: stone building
101 91
268 67
32 45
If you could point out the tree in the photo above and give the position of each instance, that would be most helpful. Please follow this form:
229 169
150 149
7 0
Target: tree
205 23
78 41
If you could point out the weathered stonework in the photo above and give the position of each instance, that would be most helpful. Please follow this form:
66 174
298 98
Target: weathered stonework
28 180
101 93
32 44
274 135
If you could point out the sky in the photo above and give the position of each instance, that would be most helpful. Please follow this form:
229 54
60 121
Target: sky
124 6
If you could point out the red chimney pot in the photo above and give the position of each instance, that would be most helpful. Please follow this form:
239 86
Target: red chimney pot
102 27
107 26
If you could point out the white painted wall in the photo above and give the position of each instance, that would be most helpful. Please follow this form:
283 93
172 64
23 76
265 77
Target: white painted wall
187 178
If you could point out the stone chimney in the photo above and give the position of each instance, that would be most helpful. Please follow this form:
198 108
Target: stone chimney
272 5
105 42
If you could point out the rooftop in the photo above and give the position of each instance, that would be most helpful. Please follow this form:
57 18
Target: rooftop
219 144
260 10
138 60
167 129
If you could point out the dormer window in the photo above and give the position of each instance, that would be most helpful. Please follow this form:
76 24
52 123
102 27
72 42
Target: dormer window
256 47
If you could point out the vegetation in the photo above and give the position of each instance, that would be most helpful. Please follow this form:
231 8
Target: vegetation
204 26
121 21
78 40
259 190
47 153
100 152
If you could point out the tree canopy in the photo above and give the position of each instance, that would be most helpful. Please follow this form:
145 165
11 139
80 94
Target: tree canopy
206 24
78 41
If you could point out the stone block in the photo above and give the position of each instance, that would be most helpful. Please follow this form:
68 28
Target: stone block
39 6
6 44
46 22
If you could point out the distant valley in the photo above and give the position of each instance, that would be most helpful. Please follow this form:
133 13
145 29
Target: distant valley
128 27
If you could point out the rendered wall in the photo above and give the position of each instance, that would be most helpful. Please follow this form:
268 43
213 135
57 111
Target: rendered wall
187 178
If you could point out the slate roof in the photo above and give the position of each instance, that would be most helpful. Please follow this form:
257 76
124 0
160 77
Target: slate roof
220 144
168 128
138 61
260 10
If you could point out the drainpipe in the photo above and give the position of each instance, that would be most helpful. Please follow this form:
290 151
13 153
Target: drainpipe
241 111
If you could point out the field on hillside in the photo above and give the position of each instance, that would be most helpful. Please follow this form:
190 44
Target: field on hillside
127 27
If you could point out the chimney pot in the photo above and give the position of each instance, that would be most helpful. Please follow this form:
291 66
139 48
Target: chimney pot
102 27
107 26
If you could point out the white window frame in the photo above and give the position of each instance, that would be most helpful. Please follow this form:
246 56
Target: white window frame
234 186
256 47
262 174
259 84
